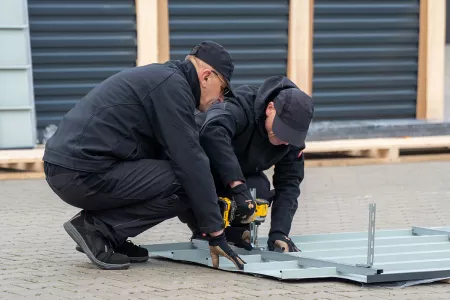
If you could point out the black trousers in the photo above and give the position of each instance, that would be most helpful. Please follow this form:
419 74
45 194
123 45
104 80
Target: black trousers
259 181
126 200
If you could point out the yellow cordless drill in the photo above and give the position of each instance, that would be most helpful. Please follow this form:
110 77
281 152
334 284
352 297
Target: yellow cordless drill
228 209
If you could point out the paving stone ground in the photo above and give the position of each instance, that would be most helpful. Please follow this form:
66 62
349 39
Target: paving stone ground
38 259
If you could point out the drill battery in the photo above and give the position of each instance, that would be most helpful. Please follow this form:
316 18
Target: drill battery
227 209
262 208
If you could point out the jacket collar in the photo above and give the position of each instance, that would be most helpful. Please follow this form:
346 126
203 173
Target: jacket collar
261 124
188 70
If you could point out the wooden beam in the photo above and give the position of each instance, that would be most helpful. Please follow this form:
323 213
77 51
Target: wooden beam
146 26
163 31
364 161
152 31
421 102
403 143
300 52
430 79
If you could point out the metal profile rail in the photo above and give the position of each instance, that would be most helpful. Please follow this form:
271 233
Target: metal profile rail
407 254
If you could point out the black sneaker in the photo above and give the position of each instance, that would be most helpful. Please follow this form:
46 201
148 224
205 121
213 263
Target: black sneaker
136 254
94 245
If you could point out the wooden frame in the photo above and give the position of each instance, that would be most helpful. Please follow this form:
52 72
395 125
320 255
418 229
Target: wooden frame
152 19
431 63
300 48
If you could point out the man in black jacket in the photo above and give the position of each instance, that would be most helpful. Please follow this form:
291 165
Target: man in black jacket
128 154
251 132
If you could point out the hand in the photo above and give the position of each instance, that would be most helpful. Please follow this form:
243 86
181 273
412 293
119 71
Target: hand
239 236
245 205
279 242
218 246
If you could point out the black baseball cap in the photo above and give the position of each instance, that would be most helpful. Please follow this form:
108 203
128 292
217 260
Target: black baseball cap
217 57
294 113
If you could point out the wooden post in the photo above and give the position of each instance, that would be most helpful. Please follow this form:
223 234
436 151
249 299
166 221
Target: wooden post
152 18
300 48
163 31
431 64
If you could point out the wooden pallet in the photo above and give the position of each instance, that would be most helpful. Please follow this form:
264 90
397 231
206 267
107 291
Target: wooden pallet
21 164
377 151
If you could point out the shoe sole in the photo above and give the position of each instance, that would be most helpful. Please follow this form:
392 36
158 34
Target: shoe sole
132 259
70 229
138 259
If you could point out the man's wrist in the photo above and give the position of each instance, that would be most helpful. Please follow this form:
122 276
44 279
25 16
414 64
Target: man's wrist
235 183
216 233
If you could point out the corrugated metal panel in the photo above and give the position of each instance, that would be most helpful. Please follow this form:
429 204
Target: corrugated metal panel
447 22
365 59
254 32
75 45
400 255
17 117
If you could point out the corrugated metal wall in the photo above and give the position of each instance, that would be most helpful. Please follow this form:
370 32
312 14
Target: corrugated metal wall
447 22
75 45
254 32
365 59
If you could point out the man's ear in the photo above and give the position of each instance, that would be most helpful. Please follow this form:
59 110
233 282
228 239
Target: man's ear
270 107
204 76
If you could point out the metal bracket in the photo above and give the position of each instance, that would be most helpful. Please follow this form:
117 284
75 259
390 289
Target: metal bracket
429 231
317 263
371 237
253 235
253 227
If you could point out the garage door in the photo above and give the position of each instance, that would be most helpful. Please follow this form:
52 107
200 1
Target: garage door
254 32
75 45
365 59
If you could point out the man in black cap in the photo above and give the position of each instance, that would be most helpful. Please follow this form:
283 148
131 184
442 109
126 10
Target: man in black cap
128 154
249 133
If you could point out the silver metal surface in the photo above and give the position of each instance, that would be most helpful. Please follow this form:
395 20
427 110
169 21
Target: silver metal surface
399 255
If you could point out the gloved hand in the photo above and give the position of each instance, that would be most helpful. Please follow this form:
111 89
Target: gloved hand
279 242
245 205
239 237
218 246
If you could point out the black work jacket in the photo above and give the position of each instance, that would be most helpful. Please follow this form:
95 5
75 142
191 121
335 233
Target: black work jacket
144 112
234 137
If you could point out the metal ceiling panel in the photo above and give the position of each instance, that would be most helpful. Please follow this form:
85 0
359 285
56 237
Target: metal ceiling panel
399 255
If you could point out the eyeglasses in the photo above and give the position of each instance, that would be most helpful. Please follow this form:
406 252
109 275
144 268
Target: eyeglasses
223 89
